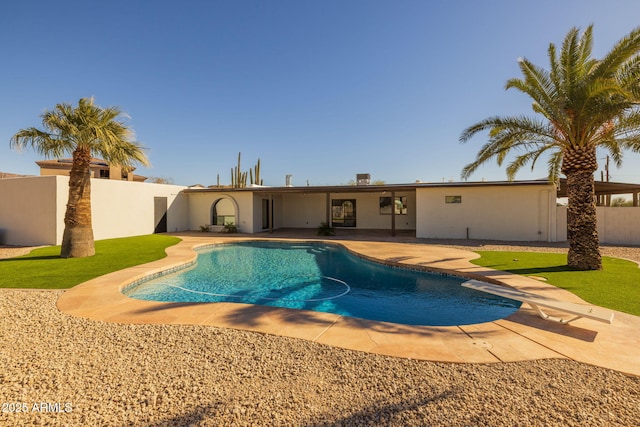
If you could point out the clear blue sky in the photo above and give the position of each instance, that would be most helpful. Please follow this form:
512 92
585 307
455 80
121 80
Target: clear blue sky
320 90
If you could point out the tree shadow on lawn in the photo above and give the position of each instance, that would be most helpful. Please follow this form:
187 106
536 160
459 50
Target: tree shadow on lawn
31 258
534 271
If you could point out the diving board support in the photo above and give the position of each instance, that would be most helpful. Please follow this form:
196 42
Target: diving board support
552 318
537 302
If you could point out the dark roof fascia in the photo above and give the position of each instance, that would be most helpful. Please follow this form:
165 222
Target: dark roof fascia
483 184
364 188
310 189
604 188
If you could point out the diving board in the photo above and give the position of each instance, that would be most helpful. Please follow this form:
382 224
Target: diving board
537 302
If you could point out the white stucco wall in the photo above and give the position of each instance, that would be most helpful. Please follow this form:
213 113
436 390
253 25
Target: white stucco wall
303 210
29 208
616 225
511 212
276 210
200 205
619 225
32 209
368 211
126 208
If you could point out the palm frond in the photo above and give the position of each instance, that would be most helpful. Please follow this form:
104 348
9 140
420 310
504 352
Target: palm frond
569 60
628 76
481 126
627 130
510 134
539 85
43 143
554 66
528 157
554 164
585 47
623 51
100 130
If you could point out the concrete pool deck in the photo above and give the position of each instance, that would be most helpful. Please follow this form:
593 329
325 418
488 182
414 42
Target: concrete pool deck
521 336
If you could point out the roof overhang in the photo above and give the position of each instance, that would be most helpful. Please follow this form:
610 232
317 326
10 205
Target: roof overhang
602 188
364 188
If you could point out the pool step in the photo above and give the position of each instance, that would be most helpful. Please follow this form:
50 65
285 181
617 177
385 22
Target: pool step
317 250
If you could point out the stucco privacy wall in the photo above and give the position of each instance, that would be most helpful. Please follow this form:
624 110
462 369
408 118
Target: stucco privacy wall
28 210
126 208
616 225
506 212
32 209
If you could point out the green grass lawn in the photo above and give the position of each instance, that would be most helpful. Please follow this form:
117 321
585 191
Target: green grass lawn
44 269
616 286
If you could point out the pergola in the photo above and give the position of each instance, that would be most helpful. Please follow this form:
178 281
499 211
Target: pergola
604 190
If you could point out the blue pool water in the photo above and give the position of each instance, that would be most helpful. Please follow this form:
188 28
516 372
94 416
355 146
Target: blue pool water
327 278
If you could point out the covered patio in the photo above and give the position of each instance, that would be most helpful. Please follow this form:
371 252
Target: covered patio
604 191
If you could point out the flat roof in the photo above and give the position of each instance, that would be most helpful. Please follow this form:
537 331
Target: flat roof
365 188
604 188
601 187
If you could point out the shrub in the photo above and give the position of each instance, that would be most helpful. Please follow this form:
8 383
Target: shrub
326 230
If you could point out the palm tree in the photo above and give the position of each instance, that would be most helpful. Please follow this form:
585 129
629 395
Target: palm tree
84 131
582 104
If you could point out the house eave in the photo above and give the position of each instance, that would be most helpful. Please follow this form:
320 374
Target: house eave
365 188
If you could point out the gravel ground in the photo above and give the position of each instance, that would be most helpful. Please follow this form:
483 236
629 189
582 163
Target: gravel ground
63 370
170 375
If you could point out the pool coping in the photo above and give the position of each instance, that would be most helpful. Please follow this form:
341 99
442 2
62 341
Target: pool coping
521 336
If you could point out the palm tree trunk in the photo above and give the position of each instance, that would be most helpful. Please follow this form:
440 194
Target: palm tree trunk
77 240
582 232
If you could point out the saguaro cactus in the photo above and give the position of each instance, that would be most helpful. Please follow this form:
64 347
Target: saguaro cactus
239 178
239 172
257 169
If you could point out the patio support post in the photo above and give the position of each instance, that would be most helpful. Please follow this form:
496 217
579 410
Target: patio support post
270 213
393 213
635 199
328 213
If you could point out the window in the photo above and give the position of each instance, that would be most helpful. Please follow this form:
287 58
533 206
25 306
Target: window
453 199
343 212
224 212
400 204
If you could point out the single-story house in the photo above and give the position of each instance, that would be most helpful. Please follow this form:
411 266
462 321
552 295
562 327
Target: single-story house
32 209
522 210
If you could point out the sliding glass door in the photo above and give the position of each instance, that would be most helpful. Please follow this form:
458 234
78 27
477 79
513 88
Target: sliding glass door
343 212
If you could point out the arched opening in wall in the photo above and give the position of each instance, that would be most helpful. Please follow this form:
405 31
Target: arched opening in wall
223 212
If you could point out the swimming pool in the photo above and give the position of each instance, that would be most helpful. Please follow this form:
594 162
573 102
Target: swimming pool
326 278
